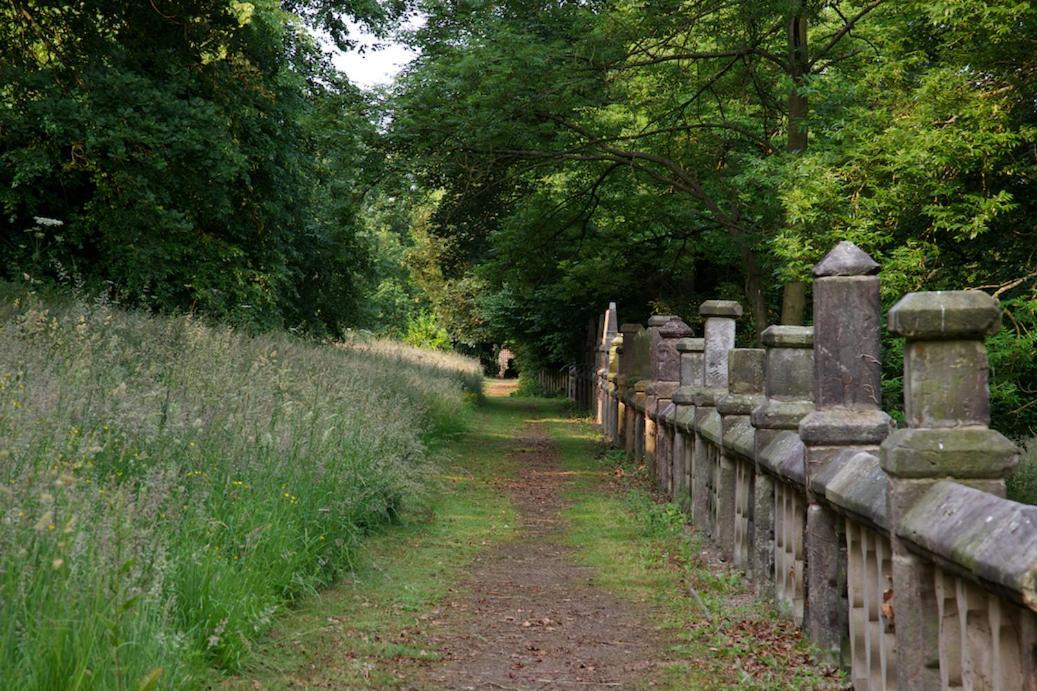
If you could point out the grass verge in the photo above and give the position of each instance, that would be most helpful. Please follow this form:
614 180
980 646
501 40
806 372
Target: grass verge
365 630
642 551
167 486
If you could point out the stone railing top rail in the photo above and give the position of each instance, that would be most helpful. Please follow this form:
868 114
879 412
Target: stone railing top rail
783 457
978 535
854 482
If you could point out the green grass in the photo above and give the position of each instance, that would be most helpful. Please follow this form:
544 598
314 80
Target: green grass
168 487
356 633
642 551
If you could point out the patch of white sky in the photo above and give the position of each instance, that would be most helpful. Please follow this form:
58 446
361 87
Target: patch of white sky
374 62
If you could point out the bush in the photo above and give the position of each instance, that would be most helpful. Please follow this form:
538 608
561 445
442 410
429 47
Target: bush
1022 485
166 486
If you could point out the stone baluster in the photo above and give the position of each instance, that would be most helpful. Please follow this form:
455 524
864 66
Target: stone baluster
655 324
788 390
693 367
719 338
745 392
847 419
947 406
666 372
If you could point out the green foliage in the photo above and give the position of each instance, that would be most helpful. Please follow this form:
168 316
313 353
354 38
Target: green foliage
1022 484
424 331
199 156
168 487
655 159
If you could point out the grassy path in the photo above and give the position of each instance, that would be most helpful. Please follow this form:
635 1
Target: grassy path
536 563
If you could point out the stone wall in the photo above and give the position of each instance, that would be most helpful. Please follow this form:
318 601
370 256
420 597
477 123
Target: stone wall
894 549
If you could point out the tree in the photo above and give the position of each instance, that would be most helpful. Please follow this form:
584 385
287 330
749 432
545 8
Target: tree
689 96
194 151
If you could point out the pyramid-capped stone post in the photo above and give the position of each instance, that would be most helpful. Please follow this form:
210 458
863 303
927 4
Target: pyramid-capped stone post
720 338
847 386
611 324
847 357
666 361
847 311
655 324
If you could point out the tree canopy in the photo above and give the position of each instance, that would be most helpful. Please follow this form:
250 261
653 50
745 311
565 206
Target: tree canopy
659 153
187 154
538 159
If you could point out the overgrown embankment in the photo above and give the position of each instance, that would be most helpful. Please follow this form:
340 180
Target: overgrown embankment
166 486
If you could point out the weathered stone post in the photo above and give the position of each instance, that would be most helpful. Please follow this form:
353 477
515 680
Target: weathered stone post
947 405
719 337
608 332
848 415
693 369
643 369
612 402
788 390
666 372
625 382
745 392
655 324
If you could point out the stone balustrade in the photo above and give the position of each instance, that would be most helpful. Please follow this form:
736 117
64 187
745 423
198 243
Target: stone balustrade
894 549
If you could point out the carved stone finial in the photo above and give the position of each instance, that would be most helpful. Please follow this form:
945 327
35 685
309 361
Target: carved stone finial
846 259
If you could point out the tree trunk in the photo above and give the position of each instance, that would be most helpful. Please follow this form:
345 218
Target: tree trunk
794 303
754 292
799 61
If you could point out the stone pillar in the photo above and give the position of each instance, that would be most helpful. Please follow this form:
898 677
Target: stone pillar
666 372
625 379
719 337
612 401
788 390
745 392
947 405
693 368
655 324
639 421
848 415
608 332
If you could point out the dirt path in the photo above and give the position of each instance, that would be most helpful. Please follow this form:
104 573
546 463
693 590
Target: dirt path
528 616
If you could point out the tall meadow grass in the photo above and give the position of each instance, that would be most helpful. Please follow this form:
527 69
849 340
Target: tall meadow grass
167 486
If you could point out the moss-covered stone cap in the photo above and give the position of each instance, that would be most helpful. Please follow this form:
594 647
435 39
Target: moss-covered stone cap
945 314
691 345
660 319
720 308
962 452
780 336
630 328
846 259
